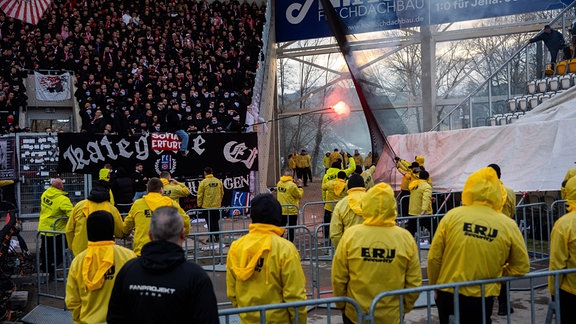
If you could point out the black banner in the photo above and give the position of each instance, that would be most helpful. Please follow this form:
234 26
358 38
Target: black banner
229 154
8 170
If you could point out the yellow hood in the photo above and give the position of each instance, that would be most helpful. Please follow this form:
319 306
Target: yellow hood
355 200
483 188
571 194
103 174
164 181
286 178
98 260
415 183
155 200
245 262
90 207
379 206
339 186
420 160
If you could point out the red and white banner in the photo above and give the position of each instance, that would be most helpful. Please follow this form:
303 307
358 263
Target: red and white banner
52 87
165 142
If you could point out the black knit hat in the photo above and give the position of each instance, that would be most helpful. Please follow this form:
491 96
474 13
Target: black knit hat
355 181
266 209
100 226
496 168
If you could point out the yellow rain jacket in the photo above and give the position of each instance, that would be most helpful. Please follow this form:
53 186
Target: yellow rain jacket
326 160
334 156
139 218
264 268
76 234
420 160
104 175
288 193
91 278
347 212
377 256
420 198
210 192
358 159
303 161
332 174
54 205
367 176
562 247
292 162
509 208
333 190
569 174
403 167
475 241
368 160
175 191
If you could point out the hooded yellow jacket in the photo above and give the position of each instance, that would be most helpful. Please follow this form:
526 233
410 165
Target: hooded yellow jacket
292 162
347 212
368 160
76 234
358 159
264 268
326 160
303 161
175 191
475 241
54 204
210 192
91 278
368 178
333 190
377 256
139 218
509 208
420 198
288 193
332 174
569 174
562 246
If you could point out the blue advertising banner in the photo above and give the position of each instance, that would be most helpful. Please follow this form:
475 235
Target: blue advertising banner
305 19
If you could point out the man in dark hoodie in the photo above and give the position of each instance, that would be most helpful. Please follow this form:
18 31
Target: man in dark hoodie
160 286
122 187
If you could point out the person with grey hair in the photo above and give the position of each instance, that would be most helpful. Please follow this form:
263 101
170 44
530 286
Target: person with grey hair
160 286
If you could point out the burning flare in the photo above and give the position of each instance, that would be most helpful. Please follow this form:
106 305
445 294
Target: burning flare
341 108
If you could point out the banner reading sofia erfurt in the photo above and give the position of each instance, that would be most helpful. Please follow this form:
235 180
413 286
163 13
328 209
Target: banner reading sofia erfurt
8 158
228 153
52 87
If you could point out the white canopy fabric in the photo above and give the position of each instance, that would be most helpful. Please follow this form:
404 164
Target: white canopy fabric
533 153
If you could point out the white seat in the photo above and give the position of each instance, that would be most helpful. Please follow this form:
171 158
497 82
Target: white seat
522 103
545 97
565 82
542 85
533 102
553 84
531 87
512 104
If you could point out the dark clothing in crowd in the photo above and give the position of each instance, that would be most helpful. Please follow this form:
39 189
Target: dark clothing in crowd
162 287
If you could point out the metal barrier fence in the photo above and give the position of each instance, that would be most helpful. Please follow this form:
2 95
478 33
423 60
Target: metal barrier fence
441 202
226 313
535 224
51 278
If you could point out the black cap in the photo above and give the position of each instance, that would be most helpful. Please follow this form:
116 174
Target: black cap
341 175
547 27
355 181
496 168
414 165
100 226
266 209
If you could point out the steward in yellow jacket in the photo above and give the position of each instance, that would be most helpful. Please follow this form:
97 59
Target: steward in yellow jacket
334 190
474 242
139 215
367 175
377 256
289 193
326 161
264 268
348 211
210 194
358 158
93 271
569 174
332 173
54 206
76 235
368 160
420 203
172 188
563 251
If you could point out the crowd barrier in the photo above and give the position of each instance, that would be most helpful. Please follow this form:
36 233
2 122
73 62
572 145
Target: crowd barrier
53 283
534 220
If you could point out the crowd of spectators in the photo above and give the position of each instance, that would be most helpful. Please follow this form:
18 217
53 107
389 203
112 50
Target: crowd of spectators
134 60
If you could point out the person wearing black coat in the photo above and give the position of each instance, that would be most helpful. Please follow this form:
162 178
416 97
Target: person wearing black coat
122 187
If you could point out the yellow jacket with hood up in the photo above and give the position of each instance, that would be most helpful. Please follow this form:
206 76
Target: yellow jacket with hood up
91 279
76 234
264 268
175 190
377 256
332 174
420 198
562 246
139 217
475 241
347 212
333 190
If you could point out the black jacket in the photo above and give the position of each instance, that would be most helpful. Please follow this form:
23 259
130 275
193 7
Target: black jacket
161 287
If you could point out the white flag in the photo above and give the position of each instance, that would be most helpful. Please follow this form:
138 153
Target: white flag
52 87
